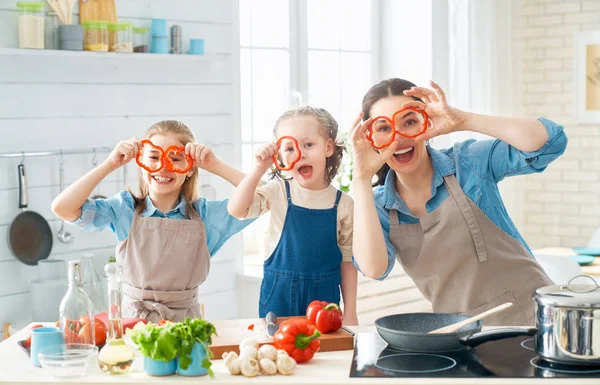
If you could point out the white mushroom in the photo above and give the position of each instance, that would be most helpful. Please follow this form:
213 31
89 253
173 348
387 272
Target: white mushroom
248 341
268 351
249 367
249 351
285 364
268 366
281 351
232 362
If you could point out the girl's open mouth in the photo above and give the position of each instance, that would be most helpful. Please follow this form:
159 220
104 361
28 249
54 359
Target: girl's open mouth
305 171
162 179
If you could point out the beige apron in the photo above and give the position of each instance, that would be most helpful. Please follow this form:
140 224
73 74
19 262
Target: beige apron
463 263
164 262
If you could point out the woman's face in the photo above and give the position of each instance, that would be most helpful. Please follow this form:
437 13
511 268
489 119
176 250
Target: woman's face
408 155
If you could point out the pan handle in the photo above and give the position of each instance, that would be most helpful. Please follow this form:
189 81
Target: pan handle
496 334
23 197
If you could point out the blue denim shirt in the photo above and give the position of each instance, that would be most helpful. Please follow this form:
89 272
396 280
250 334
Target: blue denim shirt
478 165
117 211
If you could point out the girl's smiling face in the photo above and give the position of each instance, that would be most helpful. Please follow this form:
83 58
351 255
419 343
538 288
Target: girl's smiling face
163 181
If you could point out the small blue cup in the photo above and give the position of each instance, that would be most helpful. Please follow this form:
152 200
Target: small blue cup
196 47
50 340
195 368
159 27
159 368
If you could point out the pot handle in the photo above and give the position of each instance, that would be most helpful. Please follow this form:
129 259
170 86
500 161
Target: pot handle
496 334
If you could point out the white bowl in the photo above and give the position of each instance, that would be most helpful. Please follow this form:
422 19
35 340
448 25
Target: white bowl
74 360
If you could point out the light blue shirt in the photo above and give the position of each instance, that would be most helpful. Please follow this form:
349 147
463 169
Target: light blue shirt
117 212
478 165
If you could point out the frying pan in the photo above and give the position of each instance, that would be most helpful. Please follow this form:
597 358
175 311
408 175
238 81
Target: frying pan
30 237
409 332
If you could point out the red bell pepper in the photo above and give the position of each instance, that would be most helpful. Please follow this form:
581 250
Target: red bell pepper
170 165
298 338
327 317
296 159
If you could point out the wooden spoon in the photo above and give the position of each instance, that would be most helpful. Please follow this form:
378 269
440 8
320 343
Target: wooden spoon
457 326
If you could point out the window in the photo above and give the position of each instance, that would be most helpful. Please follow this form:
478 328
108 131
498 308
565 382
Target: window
295 52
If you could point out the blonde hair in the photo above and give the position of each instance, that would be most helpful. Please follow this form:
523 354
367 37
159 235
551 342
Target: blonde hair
330 128
189 189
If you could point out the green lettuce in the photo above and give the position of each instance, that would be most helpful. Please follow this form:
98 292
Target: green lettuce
159 343
164 343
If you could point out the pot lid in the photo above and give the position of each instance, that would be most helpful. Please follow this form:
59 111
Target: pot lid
571 295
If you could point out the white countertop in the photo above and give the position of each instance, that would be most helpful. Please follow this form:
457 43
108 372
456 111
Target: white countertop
324 368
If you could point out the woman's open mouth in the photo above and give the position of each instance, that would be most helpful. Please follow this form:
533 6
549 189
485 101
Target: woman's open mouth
404 155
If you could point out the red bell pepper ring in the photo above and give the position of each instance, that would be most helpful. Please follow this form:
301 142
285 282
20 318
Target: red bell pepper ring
293 163
396 131
327 317
169 162
164 160
298 338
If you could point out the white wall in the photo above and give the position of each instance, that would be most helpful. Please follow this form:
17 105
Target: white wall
52 100
561 205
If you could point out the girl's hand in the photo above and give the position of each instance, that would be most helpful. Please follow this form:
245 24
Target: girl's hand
444 118
366 160
203 156
264 156
350 318
124 152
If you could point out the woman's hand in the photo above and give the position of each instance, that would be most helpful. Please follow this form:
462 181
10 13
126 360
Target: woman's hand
444 118
366 160
124 152
264 156
203 156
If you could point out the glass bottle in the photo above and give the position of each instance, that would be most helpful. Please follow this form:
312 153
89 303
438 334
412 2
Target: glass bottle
76 310
115 357
92 284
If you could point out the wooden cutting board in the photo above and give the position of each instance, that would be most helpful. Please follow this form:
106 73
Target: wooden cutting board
97 10
232 332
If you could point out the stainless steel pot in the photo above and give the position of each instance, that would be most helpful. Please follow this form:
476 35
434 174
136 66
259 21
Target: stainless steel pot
568 323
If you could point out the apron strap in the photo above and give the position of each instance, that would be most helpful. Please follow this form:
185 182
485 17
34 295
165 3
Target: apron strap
467 212
337 198
394 217
287 191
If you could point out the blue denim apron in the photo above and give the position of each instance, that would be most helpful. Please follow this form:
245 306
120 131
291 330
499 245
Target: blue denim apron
305 265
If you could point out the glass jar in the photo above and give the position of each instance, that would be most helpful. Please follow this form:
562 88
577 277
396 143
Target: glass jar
115 357
95 35
120 37
76 310
51 30
31 25
141 41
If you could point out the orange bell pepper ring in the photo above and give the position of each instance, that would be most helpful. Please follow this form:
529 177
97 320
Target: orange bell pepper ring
162 158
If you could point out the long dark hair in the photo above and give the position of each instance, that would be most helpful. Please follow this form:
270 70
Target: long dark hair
384 89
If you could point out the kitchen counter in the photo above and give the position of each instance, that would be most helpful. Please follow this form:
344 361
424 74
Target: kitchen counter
325 368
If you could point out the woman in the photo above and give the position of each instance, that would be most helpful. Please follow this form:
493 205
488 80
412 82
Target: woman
440 211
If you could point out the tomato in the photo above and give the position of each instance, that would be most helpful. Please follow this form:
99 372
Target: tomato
162 322
29 333
71 336
99 332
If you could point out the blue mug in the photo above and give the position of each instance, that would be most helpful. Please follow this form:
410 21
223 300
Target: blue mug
50 340
159 368
196 47
195 368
